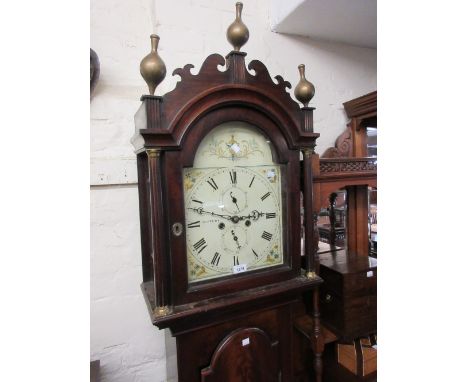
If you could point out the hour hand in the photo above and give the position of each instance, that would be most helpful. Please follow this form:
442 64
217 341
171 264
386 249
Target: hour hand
234 200
200 211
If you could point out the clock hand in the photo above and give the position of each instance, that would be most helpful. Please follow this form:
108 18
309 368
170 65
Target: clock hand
236 239
255 215
200 210
234 200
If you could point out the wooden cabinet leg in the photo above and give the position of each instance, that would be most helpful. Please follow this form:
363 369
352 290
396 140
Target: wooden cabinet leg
317 341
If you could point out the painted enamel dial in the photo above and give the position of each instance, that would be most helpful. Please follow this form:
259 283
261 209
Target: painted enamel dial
233 211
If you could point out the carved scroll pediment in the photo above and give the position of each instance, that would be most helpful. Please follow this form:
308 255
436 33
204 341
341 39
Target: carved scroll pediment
209 69
210 76
262 74
223 81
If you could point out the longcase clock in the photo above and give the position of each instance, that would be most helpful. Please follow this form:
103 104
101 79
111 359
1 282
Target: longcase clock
219 188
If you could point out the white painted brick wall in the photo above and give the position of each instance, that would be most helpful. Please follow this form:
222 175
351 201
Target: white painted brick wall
122 337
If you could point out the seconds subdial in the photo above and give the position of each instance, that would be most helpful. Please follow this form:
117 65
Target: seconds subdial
234 200
234 239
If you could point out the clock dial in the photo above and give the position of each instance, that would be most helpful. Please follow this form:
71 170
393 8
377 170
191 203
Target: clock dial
233 210
233 219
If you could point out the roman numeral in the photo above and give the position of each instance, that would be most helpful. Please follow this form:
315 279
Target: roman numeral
212 183
194 224
266 196
250 185
236 260
215 260
233 175
271 215
197 201
200 245
267 235
255 253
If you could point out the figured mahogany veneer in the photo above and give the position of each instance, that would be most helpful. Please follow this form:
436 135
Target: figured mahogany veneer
237 357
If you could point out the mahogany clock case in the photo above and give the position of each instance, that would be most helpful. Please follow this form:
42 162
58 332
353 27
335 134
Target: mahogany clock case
177 123
209 318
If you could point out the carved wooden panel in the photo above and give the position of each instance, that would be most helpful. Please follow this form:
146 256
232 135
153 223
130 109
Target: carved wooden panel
348 165
343 146
246 355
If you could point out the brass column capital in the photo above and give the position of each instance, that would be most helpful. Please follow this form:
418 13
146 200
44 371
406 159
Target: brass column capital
153 153
307 152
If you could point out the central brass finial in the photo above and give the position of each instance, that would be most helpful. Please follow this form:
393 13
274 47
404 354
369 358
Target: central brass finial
237 33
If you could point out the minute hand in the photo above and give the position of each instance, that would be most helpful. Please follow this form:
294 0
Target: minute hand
200 210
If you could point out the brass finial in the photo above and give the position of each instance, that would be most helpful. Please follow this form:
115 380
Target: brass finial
237 33
304 90
152 67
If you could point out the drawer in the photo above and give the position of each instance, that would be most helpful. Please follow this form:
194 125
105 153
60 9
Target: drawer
351 317
331 310
350 284
331 302
349 306
364 303
360 316
332 280
360 284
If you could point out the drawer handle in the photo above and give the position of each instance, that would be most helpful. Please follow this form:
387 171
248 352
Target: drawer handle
328 297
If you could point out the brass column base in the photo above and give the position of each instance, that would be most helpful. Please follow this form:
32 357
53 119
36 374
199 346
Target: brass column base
161 311
311 275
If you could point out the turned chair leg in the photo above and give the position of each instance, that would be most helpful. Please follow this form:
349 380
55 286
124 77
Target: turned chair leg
318 367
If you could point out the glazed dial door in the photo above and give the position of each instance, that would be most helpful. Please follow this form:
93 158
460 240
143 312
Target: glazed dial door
233 204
